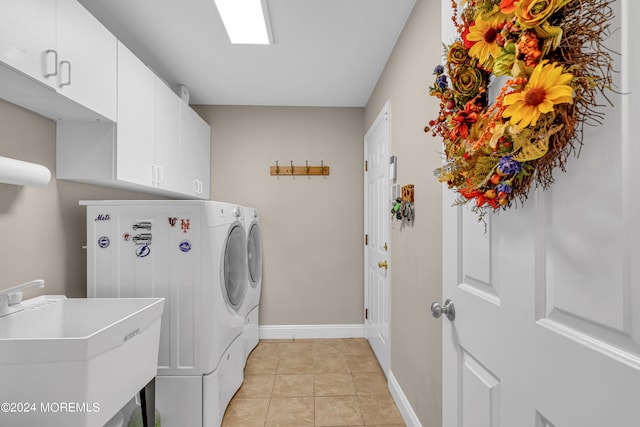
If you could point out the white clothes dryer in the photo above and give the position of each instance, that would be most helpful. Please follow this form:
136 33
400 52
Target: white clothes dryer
192 253
251 306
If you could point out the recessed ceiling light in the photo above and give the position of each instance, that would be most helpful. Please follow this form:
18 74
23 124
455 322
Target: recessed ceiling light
244 20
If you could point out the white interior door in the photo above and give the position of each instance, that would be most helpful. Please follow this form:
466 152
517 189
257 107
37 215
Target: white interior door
377 245
547 326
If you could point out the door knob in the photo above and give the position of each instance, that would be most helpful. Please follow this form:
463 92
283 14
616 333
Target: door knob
447 309
383 264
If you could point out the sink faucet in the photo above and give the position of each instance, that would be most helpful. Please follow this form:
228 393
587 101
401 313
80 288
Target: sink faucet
13 295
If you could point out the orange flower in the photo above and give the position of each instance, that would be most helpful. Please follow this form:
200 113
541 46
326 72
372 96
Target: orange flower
468 191
468 44
508 6
531 13
462 120
528 45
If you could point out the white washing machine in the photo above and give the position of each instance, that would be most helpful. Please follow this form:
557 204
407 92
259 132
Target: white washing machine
251 307
192 253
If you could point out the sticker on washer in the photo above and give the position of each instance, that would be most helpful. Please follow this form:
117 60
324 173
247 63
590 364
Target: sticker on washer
185 225
172 221
126 237
143 251
185 246
104 242
142 239
103 217
142 225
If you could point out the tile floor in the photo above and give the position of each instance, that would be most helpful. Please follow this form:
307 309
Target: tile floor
329 382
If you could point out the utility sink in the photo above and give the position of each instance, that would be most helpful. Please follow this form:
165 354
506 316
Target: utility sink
75 361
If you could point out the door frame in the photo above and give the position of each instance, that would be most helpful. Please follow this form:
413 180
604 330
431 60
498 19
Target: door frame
451 218
383 359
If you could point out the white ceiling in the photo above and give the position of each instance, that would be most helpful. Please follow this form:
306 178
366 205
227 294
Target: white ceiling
325 52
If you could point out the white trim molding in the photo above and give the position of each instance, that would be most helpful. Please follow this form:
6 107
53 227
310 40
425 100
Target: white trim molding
311 331
406 410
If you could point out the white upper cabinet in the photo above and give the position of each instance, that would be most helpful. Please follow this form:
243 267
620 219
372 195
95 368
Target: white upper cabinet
87 67
195 146
28 36
135 142
149 141
159 145
118 124
167 174
57 60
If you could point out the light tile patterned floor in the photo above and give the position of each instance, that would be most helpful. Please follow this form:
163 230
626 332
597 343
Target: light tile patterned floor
323 383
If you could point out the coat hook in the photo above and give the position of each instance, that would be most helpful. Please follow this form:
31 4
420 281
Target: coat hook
292 167
307 168
277 168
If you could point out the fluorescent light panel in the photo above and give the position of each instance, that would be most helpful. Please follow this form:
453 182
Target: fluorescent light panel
244 20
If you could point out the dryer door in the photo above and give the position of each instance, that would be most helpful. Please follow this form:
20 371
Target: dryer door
254 253
235 271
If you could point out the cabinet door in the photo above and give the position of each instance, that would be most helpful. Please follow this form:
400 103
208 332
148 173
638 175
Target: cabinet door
135 148
167 154
87 55
201 158
28 37
204 159
195 146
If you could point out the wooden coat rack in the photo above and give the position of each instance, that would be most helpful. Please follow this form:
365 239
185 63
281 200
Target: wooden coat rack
293 170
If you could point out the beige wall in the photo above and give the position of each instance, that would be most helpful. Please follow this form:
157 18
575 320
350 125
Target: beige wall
43 228
416 249
312 226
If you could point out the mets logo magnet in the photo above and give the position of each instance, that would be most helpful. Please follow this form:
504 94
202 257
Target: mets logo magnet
104 242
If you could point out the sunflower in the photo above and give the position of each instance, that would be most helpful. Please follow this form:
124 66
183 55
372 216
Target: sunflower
484 35
546 87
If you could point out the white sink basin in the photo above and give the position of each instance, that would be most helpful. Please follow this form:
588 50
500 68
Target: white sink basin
76 362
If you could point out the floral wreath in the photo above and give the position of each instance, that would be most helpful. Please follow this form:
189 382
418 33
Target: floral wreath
553 62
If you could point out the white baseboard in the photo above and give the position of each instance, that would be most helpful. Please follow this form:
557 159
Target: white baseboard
311 331
405 408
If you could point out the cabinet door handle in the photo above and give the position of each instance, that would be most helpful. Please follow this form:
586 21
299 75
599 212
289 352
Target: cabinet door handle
68 82
160 174
55 62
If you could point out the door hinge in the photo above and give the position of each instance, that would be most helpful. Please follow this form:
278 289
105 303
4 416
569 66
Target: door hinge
366 314
366 239
366 165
